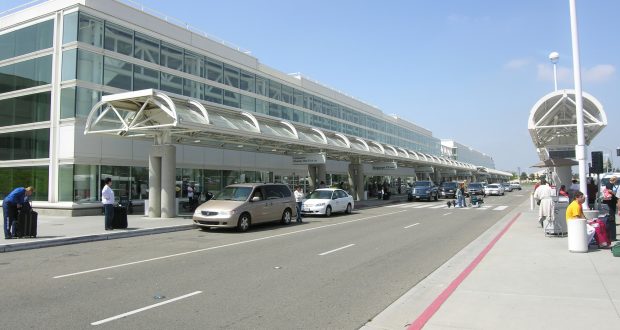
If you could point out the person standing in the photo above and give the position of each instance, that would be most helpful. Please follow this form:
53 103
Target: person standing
299 195
543 194
460 195
592 192
612 203
11 203
107 198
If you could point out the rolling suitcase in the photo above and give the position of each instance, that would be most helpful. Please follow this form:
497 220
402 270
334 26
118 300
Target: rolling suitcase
600 234
26 225
120 218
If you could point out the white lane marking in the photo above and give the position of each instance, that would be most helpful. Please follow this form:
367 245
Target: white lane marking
408 206
395 205
334 250
145 308
438 206
415 224
225 245
500 208
423 206
447 213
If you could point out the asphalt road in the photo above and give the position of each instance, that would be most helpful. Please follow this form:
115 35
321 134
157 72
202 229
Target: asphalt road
328 273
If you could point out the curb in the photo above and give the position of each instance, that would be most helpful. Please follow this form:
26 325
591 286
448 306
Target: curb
91 238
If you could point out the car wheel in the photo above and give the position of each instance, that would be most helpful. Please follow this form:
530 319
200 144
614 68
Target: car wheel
328 211
244 222
286 217
348 210
409 198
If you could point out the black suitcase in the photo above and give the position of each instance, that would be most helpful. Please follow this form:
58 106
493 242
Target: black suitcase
120 218
26 225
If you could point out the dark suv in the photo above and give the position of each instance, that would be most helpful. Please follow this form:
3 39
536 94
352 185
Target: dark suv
423 190
476 188
448 189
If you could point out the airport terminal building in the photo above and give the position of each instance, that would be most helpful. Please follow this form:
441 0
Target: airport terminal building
70 67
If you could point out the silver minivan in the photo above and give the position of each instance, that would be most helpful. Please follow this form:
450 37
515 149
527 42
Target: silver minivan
241 205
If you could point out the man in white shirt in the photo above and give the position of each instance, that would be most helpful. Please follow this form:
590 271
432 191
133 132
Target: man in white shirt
543 194
107 198
299 196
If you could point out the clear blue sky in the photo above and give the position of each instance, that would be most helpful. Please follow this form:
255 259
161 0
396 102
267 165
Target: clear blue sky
467 70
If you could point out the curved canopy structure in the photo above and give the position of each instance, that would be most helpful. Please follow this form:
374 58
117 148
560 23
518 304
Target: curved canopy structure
553 123
173 119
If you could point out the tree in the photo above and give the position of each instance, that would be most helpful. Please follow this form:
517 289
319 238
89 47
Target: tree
532 177
523 176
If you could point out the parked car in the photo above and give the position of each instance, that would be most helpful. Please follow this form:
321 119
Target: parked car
423 190
475 188
448 189
515 185
325 201
506 186
241 205
494 189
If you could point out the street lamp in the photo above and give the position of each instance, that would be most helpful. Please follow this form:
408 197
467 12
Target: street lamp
554 57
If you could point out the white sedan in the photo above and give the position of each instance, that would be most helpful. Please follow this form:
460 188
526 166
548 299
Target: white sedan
325 201
494 189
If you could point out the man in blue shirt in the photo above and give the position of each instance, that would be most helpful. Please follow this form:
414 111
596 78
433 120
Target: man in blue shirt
10 204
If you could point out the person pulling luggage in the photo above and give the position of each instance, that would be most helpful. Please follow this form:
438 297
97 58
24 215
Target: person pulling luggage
107 198
10 206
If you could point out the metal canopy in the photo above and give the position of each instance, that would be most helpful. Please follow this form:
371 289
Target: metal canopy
169 118
553 124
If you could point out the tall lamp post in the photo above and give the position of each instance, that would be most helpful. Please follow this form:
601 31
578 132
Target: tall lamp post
580 148
554 57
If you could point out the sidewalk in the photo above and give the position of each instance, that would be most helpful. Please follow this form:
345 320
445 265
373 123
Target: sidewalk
524 281
55 230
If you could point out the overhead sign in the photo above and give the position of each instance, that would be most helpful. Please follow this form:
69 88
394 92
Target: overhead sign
309 159
384 166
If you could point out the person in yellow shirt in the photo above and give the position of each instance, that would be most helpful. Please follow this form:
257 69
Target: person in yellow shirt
574 209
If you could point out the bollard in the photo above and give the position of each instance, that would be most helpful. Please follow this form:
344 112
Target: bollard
577 236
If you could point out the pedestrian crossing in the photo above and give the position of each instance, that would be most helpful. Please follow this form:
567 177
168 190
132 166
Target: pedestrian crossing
443 206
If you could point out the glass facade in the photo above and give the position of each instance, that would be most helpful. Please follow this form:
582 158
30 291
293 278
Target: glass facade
242 86
35 176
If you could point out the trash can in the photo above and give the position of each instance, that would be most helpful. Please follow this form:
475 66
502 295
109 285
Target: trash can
558 227
577 236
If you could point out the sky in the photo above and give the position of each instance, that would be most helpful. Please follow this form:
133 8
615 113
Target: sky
470 71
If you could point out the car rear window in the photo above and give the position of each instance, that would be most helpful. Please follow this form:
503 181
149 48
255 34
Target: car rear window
422 184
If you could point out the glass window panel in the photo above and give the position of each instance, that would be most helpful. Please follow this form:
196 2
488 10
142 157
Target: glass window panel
231 76
26 40
144 78
261 86
69 27
247 81
36 176
275 110
90 30
215 70
69 65
65 183
231 99
118 39
67 102
89 66
140 182
31 73
171 56
248 103
25 109
24 145
193 89
287 113
146 48
171 83
117 73
85 99
275 90
299 116
262 107
307 101
194 64
287 94
298 98
213 94
121 181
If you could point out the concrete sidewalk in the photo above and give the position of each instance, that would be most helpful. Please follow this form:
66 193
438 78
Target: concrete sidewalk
55 230
524 281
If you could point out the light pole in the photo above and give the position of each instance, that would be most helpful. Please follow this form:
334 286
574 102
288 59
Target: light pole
580 148
554 57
